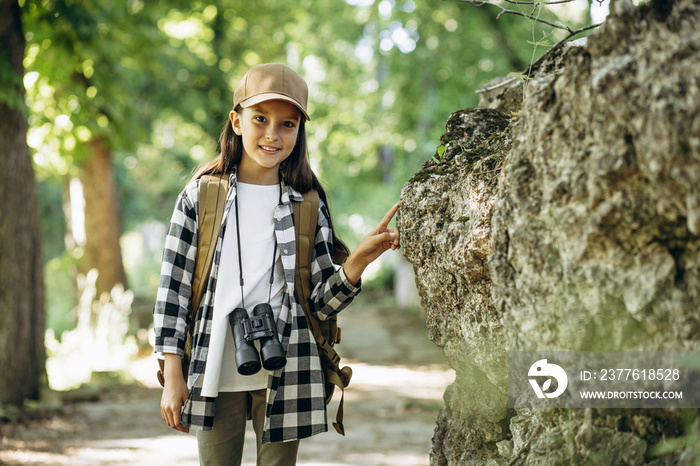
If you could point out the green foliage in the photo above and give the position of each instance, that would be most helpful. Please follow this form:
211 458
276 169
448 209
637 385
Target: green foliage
440 151
99 70
519 76
53 221
154 82
59 285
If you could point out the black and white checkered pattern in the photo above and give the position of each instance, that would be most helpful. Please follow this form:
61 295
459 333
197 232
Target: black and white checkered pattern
296 403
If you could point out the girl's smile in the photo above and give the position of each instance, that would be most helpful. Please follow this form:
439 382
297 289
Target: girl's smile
269 131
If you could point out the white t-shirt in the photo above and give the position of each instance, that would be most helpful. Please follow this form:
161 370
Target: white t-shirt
256 209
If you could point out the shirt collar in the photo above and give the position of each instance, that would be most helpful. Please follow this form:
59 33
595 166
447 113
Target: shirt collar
288 193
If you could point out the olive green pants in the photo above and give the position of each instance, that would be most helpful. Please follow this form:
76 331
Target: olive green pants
223 445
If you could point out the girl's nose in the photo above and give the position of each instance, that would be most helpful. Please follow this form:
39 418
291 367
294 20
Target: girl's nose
271 133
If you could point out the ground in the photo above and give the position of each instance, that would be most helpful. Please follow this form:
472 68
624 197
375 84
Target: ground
390 407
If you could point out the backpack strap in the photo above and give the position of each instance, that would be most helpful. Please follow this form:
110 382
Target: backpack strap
212 198
305 221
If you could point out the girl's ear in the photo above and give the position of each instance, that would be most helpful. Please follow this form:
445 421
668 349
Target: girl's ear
235 122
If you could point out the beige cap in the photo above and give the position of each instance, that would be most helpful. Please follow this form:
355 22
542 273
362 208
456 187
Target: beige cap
271 81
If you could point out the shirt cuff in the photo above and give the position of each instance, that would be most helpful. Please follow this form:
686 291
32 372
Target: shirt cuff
353 289
165 348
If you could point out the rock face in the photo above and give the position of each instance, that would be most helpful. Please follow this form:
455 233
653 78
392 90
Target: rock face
446 236
571 224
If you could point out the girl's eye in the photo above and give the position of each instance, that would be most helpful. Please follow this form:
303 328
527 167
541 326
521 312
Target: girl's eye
289 124
260 118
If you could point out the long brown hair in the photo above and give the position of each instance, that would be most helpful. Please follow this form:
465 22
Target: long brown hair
295 170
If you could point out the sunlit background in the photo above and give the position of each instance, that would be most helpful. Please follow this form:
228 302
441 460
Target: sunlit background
125 99
149 84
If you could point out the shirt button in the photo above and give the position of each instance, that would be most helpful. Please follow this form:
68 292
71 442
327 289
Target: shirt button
285 251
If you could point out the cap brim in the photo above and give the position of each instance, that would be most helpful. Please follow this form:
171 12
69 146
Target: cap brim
256 99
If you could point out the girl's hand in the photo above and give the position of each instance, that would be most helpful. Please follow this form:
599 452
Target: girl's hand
372 246
174 393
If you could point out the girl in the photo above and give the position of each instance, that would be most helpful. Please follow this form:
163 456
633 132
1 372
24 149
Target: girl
263 150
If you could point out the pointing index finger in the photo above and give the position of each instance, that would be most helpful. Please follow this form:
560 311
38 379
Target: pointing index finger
389 215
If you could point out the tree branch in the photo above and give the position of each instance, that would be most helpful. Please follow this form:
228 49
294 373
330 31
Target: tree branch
506 11
556 2
532 67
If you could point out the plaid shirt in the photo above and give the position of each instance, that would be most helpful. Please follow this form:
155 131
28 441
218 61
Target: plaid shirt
296 405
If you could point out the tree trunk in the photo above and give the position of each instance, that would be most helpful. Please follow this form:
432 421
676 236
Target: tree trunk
102 224
22 319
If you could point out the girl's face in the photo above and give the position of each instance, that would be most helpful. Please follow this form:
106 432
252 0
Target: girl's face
269 131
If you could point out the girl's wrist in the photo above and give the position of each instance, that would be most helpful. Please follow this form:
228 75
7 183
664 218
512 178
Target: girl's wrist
173 366
353 269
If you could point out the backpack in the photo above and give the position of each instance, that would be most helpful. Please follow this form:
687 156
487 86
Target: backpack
212 198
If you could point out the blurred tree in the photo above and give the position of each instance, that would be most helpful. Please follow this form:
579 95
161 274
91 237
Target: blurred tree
22 354
138 91
100 75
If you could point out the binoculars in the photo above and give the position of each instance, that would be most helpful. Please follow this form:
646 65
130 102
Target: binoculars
261 326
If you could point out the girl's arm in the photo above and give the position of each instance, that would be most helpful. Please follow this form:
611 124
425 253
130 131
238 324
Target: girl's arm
334 289
171 310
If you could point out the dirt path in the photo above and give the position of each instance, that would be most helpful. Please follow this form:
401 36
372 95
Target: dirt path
390 408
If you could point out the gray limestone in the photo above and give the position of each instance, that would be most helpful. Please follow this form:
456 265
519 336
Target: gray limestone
569 222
